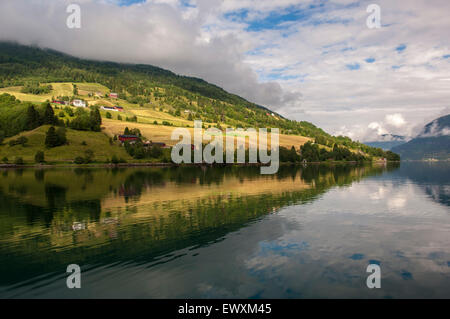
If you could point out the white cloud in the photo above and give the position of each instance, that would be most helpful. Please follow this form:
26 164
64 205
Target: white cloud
156 32
395 120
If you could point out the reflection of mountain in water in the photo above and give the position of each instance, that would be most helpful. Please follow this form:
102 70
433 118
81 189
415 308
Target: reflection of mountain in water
432 177
100 216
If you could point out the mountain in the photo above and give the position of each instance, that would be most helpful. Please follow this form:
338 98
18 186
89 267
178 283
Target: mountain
388 141
433 143
152 98
438 127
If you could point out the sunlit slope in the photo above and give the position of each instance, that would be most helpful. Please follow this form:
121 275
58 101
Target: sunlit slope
78 143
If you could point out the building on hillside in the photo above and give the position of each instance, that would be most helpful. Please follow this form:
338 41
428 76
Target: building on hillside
113 95
59 102
118 108
79 103
151 144
109 108
128 138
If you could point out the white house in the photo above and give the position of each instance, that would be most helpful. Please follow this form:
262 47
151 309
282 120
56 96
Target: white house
109 108
79 103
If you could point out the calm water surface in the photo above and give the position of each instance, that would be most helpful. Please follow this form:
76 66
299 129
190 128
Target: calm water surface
307 232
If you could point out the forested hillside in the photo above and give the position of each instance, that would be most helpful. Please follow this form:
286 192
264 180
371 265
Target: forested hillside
150 95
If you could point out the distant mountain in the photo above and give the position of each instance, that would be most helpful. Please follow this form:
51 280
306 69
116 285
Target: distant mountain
438 127
388 141
432 143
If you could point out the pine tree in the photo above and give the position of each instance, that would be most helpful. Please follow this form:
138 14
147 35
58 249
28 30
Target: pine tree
61 133
51 138
96 120
49 115
32 118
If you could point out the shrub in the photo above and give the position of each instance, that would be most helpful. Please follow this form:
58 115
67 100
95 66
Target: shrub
108 115
5 160
39 157
54 137
79 160
89 156
19 141
18 161
114 159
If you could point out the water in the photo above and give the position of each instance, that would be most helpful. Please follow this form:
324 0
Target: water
307 232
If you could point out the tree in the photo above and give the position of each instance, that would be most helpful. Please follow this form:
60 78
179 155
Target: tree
49 115
114 159
79 160
54 137
32 118
96 120
39 157
89 156
51 139
18 161
108 115
22 140
61 133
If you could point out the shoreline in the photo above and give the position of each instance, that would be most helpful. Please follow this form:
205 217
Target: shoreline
124 165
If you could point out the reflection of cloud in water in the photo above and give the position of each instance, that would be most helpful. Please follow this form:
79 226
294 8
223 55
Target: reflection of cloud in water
396 202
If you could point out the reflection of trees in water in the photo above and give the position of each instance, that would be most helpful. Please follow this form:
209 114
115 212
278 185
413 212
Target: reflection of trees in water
97 238
39 175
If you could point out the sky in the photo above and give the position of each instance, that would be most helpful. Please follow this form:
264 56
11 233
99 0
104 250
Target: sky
313 60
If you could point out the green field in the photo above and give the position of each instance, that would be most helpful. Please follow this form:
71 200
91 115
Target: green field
95 141
59 89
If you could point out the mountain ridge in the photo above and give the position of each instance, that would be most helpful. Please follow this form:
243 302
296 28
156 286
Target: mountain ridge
433 143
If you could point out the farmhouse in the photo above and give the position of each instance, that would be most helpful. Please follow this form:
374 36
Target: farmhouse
59 102
113 95
151 144
79 103
109 108
128 138
118 108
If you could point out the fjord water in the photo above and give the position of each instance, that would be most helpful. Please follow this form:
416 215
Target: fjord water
306 232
